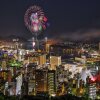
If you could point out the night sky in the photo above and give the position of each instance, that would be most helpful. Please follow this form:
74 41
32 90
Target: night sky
73 19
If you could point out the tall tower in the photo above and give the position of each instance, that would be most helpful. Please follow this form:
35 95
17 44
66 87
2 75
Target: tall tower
41 81
52 82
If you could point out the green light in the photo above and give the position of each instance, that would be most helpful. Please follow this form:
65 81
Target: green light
15 64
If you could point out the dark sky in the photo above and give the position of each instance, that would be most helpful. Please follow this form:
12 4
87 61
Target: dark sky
75 19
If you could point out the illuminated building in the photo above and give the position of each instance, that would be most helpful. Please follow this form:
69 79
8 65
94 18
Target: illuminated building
92 91
24 87
51 82
18 84
62 74
16 44
62 78
55 61
41 81
82 59
81 88
42 59
20 55
31 68
63 49
3 65
47 47
12 89
49 43
31 87
32 58
6 87
4 74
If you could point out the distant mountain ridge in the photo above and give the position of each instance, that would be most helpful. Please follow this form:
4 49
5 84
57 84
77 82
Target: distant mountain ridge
23 39
11 37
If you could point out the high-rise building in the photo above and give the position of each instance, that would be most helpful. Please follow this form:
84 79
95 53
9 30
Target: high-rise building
62 78
42 59
3 64
41 81
31 87
18 84
24 87
47 48
31 77
52 82
32 58
92 91
55 61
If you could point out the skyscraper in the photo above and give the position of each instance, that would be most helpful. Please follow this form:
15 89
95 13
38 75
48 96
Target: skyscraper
41 80
51 82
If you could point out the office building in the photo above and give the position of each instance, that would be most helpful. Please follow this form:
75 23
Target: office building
55 61
41 81
52 82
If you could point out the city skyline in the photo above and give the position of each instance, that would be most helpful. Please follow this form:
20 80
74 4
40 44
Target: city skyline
74 20
50 50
